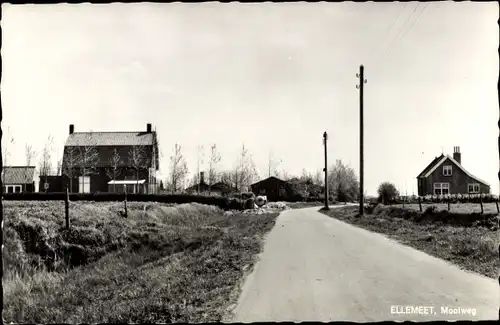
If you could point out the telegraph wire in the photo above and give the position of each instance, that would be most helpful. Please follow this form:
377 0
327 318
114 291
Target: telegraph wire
389 47
384 36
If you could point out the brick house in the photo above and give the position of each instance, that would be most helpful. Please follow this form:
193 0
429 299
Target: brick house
17 179
446 175
111 161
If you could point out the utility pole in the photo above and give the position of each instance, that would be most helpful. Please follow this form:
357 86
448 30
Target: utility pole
362 81
325 139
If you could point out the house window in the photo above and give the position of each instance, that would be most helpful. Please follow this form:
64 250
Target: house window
447 170
473 188
13 188
262 191
84 184
441 188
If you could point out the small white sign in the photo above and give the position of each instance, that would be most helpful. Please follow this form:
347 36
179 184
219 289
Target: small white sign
46 186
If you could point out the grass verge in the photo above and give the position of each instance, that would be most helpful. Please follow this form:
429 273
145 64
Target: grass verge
162 264
472 247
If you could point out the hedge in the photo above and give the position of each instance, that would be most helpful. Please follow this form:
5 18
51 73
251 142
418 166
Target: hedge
221 202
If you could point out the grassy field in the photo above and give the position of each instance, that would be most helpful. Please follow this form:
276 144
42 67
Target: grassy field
472 247
454 208
163 263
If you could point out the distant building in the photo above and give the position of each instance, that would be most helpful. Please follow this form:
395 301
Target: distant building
17 179
219 188
274 188
446 175
136 164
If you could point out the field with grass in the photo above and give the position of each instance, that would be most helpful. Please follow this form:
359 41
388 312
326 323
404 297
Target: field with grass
472 245
164 263
454 208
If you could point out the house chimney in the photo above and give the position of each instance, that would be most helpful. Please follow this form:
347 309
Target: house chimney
148 130
457 155
202 177
71 129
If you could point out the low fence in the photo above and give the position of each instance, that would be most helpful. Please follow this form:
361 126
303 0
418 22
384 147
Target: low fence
449 199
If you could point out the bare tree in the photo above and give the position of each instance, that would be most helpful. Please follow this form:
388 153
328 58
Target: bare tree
30 154
179 168
214 159
138 160
245 170
69 164
88 156
59 167
45 166
273 164
284 175
9 140
115 169
199 161
319 178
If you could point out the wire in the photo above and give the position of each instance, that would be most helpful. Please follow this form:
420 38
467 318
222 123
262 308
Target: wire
397 35
406 32
384 36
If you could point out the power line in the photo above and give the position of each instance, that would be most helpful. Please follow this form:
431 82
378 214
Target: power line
409 28
387 32
397 35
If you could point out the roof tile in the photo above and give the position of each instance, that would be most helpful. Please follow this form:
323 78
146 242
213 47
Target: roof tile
13 175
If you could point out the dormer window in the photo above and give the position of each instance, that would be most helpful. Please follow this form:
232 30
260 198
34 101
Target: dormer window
447 170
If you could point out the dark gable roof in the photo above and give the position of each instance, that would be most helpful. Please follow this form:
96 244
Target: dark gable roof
434 162
16 175
268 179
110 139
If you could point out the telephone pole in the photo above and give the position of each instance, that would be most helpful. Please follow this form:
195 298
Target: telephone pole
325 139
362 81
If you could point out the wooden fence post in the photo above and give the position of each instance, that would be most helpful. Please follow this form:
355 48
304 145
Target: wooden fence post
449 199
66 208
499 279
481 202
419 204
403 202
126 213
498 209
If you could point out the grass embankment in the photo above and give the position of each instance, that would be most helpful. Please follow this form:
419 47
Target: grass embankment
457 238
162 264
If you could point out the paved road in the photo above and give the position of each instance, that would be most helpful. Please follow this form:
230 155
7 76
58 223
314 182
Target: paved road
315 268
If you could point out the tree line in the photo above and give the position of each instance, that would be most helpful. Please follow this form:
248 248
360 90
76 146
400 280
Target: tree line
79 161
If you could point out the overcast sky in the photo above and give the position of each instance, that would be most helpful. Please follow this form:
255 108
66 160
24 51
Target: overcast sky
273 76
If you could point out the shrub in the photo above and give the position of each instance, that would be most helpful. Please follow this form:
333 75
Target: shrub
387 192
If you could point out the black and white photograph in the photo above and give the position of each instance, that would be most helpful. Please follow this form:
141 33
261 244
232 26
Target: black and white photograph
248 162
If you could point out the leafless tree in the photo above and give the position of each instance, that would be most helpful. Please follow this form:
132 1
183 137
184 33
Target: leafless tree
138 160
59 167
199 162
319 178
179 168
214 159
9 140
245 170
284 175
45 166
30 154
273 164
115 169
88 156
69 164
